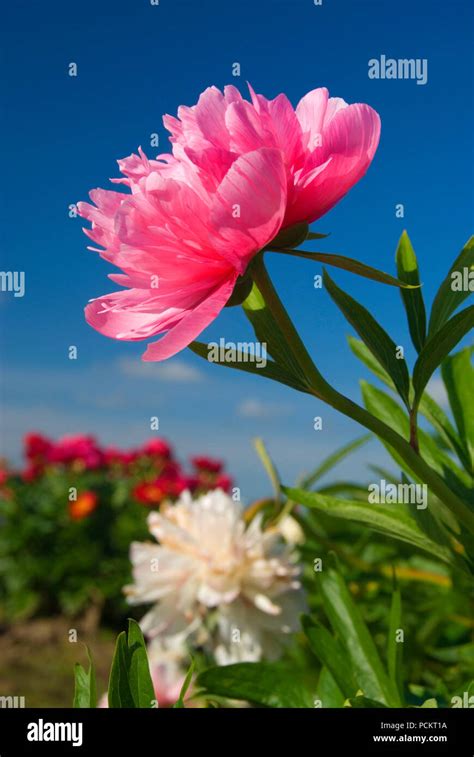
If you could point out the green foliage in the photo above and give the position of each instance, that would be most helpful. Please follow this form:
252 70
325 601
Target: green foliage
374 337
179 704
51 563
130 683
351 265
458 377
395 520
449 298
261 683
85 694
407 266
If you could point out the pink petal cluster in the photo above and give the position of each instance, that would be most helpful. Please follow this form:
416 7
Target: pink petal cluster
192 220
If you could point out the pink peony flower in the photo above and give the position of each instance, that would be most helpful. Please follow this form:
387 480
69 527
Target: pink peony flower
193 220
207 464
157 448
78 448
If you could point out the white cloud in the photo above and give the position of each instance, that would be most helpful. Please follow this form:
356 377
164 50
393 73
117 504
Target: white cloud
256 408
171 370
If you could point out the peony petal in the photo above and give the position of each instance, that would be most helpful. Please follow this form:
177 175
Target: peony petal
191 324
348 147
249 205
310 112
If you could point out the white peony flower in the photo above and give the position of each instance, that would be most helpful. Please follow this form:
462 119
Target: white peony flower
209 565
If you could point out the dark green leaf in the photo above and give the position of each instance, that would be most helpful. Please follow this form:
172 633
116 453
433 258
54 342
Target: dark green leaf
271 370
384 407
394 647
347 622
130 683
291 237
85 694
438 347
448 299
347 264
441 423
315 235
266 684
373 336
390 520
364 354
407 267
268 332
458 377
329 693
364 703
331 654
186 684
141 685
119 694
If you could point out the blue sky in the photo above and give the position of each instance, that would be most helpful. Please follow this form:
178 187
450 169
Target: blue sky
136 62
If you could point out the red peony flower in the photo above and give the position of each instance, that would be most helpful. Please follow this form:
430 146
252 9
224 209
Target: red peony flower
207 464
36 446
223 482
164 487
157 448
78 448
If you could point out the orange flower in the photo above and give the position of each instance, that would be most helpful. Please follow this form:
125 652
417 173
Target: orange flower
83 506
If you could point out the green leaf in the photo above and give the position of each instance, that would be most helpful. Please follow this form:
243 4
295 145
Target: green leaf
438 347
448 300
347 622
267 331
441 423
85 694
330 654
384 407
458 377
347 264
390 520
315 235
394 647
141 685
261 683
179 704
269 466
119 694
365 356
428 407
329 692
291 236
332 460
130 683
364 703
373 336
271 370
407 267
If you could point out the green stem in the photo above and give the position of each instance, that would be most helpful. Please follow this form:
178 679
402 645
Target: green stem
324 391
414 431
